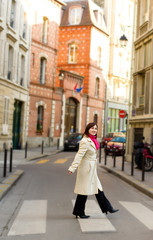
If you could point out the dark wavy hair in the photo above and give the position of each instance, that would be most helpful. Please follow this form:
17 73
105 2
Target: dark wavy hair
90 125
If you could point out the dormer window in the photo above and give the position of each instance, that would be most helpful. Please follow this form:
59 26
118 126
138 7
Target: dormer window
75 15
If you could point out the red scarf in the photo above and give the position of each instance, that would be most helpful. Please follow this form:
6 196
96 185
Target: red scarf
93 138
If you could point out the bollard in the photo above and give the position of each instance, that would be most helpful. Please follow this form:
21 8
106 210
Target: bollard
5 163
114 156
123 160
132 165
26 149
100 153
42 147
143 168
105 154
11 157
58 142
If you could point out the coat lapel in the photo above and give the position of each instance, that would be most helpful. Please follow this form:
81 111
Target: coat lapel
91 143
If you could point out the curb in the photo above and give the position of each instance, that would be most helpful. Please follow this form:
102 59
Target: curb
130 180
6 184
43 155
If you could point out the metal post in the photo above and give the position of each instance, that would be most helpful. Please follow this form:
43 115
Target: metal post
26 149
11 157
132 164
58 141
123 153
105 154
42 147
5 163
100 153
114 155
143 170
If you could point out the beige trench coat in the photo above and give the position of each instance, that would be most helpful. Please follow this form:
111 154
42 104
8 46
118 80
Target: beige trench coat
87 181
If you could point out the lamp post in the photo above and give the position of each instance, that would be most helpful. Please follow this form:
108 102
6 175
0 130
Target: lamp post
123 40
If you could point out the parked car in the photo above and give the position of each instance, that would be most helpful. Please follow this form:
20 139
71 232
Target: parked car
110 136
72 141
119 143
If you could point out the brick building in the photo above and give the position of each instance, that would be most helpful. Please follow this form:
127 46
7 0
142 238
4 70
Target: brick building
44 47
82 60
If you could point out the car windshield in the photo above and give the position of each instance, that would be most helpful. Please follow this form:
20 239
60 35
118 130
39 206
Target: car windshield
119 139
75 136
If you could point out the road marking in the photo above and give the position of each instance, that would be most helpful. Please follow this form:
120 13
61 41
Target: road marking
97 222
142 213
42 161
31 218
60 161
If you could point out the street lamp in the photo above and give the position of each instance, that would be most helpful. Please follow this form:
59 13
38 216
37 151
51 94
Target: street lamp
123 41
61 76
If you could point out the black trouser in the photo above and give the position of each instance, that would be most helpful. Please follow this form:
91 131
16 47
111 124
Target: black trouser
79 207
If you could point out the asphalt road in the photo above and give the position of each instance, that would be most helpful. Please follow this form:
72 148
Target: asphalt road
39 206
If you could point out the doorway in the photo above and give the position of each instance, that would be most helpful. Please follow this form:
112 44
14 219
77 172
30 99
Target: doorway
70 116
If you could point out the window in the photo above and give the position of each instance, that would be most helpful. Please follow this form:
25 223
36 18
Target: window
10 63
75 15
73 53
22 70
99 56
42 70
97 87
33 59
144 11
44 30
142 89
12 16
5 116
96 118
113 120
40 118
6 110
24 26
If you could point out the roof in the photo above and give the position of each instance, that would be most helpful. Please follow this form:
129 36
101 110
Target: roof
90 9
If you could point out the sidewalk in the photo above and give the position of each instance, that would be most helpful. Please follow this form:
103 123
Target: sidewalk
145 186
19 158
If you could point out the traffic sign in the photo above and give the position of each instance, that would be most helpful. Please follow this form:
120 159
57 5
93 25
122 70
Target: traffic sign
122 114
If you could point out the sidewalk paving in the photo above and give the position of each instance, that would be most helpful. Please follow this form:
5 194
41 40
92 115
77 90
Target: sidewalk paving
19 158
145 186
6 183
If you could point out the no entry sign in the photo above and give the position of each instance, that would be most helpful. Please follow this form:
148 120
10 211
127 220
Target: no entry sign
122 114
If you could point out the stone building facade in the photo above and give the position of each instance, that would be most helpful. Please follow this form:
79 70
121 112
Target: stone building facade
141 121
15 34
82 59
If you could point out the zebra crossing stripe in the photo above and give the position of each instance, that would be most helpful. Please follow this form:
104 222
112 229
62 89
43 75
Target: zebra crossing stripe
142 213
97 222
31 218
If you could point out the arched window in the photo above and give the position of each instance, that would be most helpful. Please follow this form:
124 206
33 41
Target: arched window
42 70
73 53
75 15
44 30
97 87
95 118
40 114
10 63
